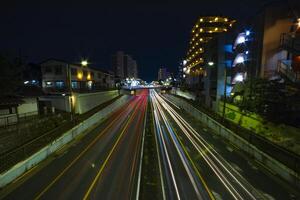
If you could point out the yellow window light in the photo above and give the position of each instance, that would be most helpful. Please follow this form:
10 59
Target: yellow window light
89 76
201 20
216 19
79 75
216 29
201 29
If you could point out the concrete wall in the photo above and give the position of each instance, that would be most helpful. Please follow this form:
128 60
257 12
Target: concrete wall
58 102
187 95
278 168
83 101
87 101
20 168
29 106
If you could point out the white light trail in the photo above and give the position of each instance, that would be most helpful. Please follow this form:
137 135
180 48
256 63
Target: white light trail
210 156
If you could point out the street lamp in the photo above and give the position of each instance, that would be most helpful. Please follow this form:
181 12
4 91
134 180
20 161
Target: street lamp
71 97
84 63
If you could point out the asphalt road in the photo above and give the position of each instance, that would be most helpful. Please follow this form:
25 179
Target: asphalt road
228 173
179 179
104 164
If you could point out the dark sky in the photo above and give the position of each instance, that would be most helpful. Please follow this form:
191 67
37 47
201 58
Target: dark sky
154 33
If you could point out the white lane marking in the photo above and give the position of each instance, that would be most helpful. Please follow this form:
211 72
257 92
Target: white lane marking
217 195
229 149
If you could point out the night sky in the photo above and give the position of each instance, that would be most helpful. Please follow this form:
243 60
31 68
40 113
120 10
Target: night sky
154 33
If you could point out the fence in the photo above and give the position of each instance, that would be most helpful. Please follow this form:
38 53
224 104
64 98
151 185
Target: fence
14 119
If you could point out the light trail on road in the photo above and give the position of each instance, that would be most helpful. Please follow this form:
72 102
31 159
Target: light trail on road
236 185
173 156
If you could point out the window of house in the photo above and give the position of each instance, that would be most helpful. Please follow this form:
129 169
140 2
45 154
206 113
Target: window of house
59 84
75 85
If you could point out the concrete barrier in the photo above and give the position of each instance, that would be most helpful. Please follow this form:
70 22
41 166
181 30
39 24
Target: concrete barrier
23 166
273 165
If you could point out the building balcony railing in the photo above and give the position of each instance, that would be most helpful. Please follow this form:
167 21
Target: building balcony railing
285 68
290 42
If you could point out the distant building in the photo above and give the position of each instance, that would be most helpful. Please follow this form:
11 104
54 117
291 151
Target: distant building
83 79
124 65
205 29
118 64
130 67
163 74
207 57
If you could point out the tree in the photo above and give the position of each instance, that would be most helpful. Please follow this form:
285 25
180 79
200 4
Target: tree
275 101
10 76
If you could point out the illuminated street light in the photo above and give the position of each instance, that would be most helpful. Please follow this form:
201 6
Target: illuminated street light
298 22
247 33
84 63
210 63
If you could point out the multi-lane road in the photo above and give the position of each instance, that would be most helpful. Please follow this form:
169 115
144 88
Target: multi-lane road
106 163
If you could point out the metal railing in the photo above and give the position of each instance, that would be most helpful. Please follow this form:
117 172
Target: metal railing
285 67
14 119
290 42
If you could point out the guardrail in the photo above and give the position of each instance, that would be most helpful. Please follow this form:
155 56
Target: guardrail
285 67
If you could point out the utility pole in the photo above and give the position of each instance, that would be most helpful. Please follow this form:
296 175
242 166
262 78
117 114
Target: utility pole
70 91
225 87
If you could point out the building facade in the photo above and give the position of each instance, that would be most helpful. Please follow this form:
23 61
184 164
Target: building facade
124 66
57 75
207 57
162 74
